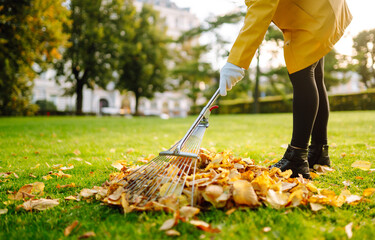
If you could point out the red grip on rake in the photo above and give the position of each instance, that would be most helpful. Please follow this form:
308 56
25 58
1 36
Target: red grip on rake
213 107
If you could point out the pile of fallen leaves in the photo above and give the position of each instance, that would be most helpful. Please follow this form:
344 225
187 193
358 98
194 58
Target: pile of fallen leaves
228 182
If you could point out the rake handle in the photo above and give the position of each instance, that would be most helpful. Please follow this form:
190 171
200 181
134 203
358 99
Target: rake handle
197 121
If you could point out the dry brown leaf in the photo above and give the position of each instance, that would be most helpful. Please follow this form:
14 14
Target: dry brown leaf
266 229
204 226
71 198
275 199
86 192
70 185
244 194
70 228
77 152
188 212
87 235
230 211
363 165
316 207
348 230
3 211
168 224
172 232
39 204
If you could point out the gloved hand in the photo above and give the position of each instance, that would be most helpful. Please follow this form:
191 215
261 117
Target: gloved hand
230 74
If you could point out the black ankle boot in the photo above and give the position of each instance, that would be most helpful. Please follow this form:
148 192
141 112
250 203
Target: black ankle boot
295 160
318 154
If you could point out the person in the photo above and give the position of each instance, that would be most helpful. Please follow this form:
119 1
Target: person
310 30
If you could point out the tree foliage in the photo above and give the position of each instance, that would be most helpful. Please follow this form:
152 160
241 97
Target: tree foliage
142 66
96 32
364 45
30 36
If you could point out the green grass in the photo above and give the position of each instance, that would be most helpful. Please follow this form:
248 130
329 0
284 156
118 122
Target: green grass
26 142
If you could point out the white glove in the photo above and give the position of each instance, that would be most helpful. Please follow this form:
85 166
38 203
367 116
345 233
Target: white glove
230 74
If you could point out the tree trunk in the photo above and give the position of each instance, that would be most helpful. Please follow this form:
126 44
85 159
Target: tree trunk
256 88
79 92
137 96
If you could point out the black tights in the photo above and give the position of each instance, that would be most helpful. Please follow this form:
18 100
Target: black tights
310 106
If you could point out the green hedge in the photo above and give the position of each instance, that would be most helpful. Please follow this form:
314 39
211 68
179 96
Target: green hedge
343 102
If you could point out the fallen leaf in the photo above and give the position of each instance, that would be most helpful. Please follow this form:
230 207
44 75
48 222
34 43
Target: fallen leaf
348 230
39 204
363 165
230 211
87 235
32 175
15 175
277 200
77 152
316 207
36 166
3 211
204 226
347 183
188 212
172 232
86 192
266 229
70 185
168 224
368 192
70 166
47 177
244 194
88 163
71 198
70 228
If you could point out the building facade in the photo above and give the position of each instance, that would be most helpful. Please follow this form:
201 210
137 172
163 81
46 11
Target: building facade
110 101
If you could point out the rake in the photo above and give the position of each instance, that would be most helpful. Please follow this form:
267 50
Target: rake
167 173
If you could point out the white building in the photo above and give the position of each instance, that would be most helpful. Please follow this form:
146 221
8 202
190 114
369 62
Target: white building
111 101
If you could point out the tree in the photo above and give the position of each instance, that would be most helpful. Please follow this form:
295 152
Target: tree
142 69
364 45
30 36
96 32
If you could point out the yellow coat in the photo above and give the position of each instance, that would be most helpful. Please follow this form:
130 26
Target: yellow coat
310 29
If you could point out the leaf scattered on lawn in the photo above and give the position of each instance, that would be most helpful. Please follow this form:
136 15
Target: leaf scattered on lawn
316 207
28 191
36 166
77 152
70 185
71 198
266 229
39 204
47 177
172 232
3 211
368 192
87 235
348 230
70 228
168 224
363 165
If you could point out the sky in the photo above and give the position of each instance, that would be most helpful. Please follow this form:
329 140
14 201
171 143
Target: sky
362 11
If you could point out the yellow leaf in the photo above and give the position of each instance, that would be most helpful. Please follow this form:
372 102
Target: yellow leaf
277 200
36 166
188 212
363 165
244 194
368 192
48 177
316 207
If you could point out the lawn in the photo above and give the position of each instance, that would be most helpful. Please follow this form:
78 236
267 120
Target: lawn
30 147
